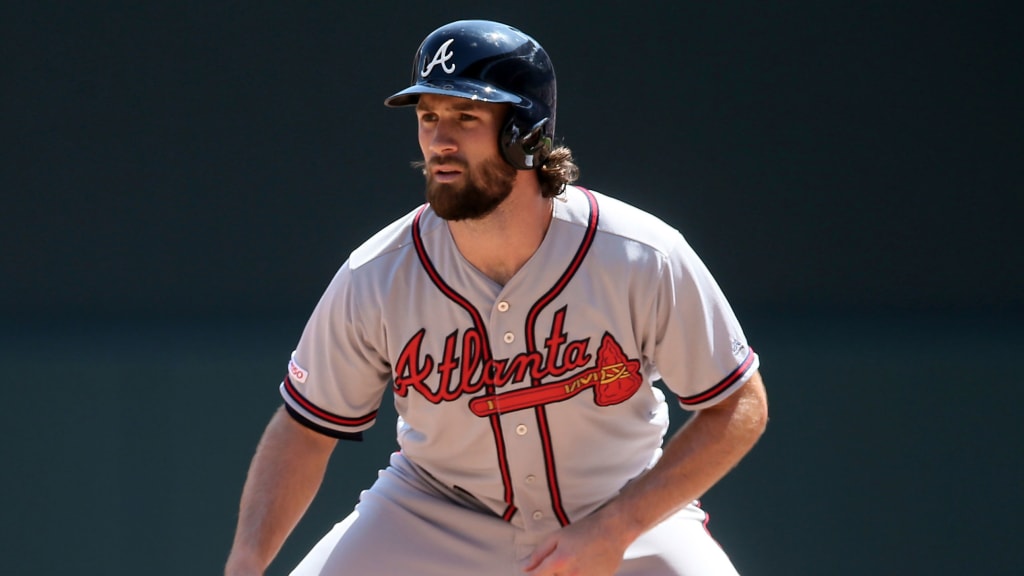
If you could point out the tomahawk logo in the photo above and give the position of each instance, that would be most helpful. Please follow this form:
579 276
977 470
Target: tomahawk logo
615 379
442 57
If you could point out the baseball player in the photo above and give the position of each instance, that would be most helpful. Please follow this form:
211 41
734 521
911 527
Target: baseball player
520 323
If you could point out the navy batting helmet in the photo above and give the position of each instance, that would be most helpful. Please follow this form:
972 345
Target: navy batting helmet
491 62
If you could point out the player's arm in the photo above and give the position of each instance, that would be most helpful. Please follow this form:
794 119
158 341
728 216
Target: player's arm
284 476
697 456
710 444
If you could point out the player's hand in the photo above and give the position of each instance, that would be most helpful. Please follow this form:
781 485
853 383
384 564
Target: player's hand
580 549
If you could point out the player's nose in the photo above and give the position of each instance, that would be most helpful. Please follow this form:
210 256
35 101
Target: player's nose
441 140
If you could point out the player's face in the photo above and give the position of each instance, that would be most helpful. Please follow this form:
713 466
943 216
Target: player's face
466 176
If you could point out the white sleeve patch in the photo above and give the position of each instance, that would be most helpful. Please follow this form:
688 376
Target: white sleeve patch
295 372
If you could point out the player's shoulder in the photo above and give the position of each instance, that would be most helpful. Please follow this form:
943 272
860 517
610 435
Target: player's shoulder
616 217
395 237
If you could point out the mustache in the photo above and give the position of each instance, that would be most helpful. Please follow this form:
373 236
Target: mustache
446 161
438 161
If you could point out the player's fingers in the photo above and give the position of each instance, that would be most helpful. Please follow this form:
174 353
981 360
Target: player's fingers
540 553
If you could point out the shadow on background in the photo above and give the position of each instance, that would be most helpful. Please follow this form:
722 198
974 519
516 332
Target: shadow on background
890 444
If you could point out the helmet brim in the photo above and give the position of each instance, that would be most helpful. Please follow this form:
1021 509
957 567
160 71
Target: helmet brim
459 88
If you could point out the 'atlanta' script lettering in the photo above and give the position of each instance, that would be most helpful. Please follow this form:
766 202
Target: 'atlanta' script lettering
466 355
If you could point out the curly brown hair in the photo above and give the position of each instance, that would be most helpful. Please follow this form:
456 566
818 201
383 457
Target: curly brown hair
558 169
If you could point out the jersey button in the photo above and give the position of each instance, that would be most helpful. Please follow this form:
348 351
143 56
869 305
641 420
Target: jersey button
502 306
530 479
537 515
509 337
521 429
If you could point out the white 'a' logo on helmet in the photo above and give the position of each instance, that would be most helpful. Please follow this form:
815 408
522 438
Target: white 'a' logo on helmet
442 56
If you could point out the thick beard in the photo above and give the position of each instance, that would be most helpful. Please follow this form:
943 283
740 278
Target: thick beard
483 189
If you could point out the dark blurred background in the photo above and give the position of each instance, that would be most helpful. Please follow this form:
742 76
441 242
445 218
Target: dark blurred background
180 180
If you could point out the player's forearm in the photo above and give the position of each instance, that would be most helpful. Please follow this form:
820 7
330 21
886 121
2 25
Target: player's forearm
285 475
703 451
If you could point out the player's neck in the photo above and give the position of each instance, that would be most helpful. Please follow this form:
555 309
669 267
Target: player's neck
500 243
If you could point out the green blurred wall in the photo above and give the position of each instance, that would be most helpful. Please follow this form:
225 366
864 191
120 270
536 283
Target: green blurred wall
181 180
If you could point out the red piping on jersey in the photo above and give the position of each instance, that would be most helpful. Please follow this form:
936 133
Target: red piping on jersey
706 523
721 386
531 345
478 322
323 414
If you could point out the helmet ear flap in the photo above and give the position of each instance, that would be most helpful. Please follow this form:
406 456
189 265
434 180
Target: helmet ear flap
525 151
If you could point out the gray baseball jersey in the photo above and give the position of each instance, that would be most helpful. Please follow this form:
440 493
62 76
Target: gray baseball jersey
535 398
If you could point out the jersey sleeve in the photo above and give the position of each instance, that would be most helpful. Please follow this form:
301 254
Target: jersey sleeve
701 353
338 372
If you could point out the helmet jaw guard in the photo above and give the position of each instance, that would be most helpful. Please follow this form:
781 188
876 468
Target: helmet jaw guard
491 62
